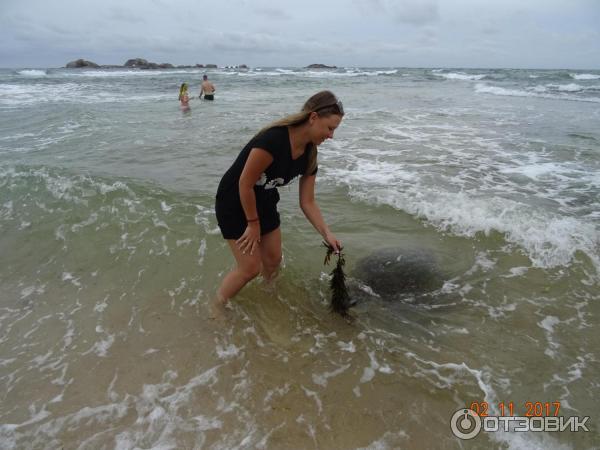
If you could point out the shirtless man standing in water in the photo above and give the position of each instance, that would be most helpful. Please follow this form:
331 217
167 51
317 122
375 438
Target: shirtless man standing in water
207 88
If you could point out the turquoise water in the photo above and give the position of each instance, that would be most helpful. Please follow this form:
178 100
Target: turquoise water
109 252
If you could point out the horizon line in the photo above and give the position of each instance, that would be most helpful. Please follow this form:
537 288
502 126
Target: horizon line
334 67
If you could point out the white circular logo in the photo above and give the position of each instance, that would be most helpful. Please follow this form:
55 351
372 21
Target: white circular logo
465 424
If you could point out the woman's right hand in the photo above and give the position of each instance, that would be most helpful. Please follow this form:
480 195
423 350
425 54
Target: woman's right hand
249 241
333 242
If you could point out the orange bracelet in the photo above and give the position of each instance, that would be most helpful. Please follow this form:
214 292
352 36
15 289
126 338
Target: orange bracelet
252 220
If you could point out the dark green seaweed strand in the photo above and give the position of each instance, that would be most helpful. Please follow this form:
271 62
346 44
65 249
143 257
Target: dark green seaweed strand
340 300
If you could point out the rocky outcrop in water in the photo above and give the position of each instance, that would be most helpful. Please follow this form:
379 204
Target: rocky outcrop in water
141 63
320 66
136 62
81 63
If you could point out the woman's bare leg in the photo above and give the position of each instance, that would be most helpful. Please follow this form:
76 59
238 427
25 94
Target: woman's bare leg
270 253
265 260
248 267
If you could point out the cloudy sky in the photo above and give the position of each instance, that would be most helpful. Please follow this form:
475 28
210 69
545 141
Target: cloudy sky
375 33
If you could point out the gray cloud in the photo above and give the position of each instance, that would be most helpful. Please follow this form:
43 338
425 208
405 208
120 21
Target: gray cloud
428 37
412 12
120 14
415 13
471 33
273 13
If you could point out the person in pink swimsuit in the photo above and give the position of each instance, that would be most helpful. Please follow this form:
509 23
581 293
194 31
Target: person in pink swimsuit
184 98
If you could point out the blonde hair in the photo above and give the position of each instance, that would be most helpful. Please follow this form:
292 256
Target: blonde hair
324 103
183 90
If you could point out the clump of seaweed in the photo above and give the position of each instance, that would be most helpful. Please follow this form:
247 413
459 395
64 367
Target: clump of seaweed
340 300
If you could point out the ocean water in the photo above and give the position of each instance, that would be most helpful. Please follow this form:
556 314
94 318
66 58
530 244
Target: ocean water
110 252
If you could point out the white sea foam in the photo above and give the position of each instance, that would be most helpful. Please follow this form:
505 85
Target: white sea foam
104 188
460 76
548 324
32 73
17 136
183 242
467 205
549 239
227 351
19 94
315 396
368 375
485 89
330 73
157 410
538 170
29 290
101 306
89 221
584 76
112 73
101 347
571 87
347 346
517 272
321 379
446 375
276 392
482 263
376 366
66 276
201 252
536 92
69 92
574 372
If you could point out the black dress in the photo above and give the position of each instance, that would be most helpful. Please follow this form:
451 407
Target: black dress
283 169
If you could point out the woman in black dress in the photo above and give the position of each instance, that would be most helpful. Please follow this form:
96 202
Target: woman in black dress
246 203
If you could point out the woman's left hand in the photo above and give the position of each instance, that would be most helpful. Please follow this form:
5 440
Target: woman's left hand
250 240
333 241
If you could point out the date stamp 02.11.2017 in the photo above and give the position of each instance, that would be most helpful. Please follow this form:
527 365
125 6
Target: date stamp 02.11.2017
509 416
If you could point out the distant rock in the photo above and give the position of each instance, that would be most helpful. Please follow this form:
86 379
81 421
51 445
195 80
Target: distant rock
320 66
141 63
80 63
136 62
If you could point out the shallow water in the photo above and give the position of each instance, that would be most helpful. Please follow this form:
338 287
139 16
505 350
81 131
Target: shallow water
109 252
